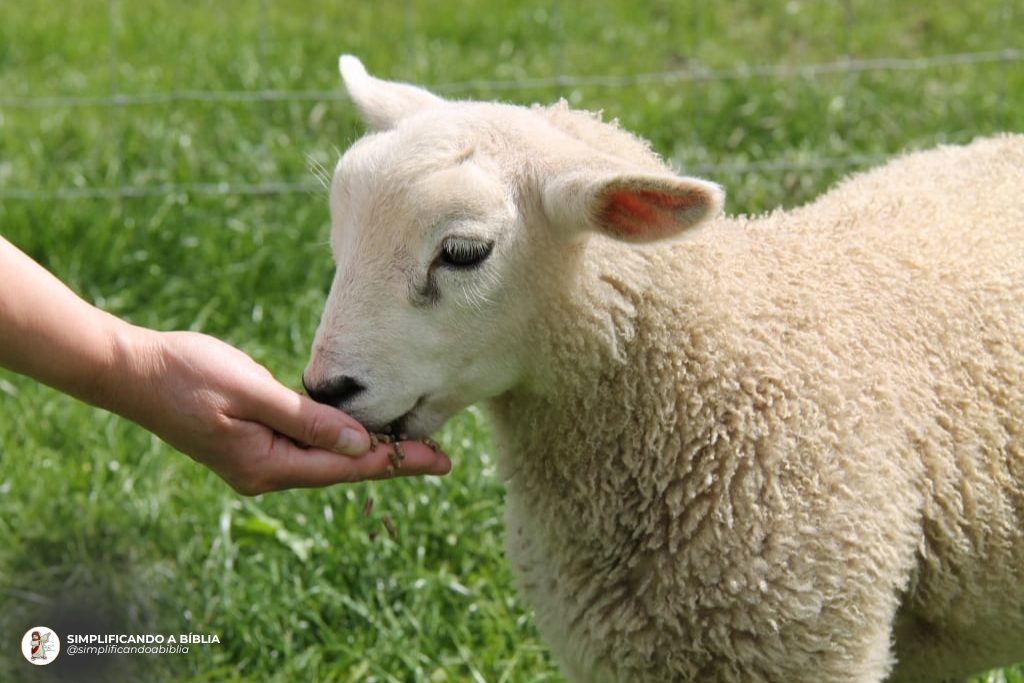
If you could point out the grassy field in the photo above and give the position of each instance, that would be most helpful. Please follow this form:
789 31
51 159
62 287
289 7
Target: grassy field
102 526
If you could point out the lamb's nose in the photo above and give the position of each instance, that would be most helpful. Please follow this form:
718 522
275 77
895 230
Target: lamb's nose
335 391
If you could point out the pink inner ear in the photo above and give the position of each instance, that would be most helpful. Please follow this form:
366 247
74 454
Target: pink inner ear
643 215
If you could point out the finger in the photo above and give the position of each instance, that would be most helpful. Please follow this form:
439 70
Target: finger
306 421
407 458
292 467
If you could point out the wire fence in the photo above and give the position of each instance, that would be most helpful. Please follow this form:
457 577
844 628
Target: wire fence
1007 56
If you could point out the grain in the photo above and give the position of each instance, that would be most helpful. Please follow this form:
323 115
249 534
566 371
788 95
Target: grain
378 438
390 526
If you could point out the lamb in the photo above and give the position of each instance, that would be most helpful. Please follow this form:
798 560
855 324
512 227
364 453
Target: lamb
783 448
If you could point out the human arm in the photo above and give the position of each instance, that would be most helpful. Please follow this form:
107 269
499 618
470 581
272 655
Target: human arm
202 396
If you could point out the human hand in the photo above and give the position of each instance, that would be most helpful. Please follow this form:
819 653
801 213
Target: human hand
216 404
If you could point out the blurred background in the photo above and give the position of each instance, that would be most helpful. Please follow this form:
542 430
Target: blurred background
166 160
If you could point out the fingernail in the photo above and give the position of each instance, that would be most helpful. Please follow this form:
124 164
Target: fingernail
442 467
352 442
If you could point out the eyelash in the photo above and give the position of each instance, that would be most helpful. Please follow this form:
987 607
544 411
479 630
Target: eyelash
460 253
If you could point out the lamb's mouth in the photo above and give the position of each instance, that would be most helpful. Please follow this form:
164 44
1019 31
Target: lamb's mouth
399 427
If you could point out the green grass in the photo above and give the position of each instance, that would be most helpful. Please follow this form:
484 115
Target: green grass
103 524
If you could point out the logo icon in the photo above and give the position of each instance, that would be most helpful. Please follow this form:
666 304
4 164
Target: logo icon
40 645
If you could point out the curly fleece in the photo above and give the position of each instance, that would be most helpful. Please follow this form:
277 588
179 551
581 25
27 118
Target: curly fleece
790 448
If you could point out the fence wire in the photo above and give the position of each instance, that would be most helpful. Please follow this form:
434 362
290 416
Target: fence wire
118 102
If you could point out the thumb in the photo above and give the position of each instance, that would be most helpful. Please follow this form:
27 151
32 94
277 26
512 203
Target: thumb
308 422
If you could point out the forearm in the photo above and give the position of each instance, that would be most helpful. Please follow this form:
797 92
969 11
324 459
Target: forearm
49 333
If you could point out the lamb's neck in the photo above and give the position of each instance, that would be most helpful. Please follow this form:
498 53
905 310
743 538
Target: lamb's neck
588 326
589 369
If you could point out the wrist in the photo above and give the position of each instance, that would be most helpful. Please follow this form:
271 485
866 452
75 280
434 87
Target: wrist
121 376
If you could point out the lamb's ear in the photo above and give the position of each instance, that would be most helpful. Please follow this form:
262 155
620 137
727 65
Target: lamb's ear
633 207
382 103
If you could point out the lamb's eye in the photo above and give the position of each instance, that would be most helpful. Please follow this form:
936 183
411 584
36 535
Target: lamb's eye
464 253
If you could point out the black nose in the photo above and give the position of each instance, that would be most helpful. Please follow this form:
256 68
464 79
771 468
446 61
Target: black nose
336 391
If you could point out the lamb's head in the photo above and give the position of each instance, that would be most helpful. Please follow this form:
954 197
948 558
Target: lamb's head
450 224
